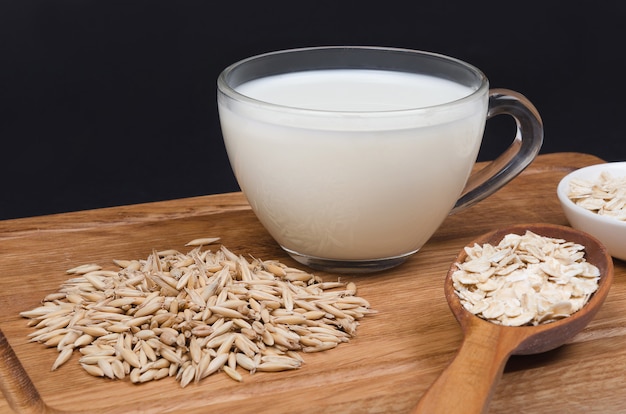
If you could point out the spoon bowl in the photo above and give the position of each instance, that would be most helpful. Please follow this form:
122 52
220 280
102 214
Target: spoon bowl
467 384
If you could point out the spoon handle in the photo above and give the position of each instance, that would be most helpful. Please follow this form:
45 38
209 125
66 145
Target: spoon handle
467 384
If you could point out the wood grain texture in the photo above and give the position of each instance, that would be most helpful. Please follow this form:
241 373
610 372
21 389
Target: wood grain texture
396 355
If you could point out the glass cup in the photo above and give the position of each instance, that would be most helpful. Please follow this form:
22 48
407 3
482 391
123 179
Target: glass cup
352 157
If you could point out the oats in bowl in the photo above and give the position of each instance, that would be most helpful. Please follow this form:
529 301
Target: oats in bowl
594 200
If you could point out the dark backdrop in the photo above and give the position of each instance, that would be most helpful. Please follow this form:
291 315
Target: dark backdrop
107 103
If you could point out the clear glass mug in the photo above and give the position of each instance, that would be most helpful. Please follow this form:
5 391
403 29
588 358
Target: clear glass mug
352 157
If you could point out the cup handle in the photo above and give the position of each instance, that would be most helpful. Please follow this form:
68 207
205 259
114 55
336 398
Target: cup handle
515 158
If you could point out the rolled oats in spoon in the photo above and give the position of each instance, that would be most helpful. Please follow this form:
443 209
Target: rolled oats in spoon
525 280
503 289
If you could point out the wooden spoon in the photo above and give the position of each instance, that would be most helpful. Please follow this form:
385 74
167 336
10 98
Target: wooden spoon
467 384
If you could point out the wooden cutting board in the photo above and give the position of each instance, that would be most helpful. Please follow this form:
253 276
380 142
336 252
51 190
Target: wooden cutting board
396 355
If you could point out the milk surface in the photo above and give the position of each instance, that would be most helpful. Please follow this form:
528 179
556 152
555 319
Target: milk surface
352 90
372 178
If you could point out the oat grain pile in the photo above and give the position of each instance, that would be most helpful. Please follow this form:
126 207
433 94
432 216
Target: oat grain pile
191 315
525 280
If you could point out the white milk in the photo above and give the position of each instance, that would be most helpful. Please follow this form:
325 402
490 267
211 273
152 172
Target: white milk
372 179
352 90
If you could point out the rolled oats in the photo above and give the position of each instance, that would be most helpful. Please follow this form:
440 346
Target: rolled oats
525 280
605 195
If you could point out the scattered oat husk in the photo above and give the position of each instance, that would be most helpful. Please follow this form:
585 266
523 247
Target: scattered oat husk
190 315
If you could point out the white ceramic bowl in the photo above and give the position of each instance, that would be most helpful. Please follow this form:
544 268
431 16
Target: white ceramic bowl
610 231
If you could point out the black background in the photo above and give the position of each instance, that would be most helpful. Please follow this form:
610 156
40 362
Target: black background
107 103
